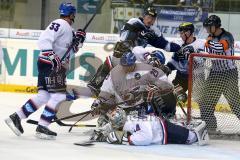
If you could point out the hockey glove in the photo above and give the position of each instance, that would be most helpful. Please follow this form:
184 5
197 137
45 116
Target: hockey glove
117 137
55 61
78 39
148 34
165 69
101 105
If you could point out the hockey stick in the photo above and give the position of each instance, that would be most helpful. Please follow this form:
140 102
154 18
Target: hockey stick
85 143
85 27
181 104
60 123
77 122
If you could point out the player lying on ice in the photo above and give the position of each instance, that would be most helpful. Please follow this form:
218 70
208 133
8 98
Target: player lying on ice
147 130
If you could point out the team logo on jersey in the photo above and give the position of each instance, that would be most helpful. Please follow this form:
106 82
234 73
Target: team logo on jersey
137 76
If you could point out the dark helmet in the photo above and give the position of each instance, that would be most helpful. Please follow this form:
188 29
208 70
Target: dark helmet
186 26
128 59
151 11
66 9
213 20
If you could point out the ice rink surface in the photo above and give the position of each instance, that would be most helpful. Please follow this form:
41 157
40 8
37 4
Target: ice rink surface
27 147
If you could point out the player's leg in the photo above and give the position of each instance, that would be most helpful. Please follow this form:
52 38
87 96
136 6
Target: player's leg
55 84
14 120
177 134
210 96
48 115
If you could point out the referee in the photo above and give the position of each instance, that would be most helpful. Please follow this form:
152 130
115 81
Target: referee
223 76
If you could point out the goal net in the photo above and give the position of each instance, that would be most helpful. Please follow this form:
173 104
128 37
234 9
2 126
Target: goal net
213 94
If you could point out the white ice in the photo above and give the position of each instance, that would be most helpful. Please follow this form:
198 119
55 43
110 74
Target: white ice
27 147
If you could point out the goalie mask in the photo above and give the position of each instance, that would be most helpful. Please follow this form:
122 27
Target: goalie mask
117 117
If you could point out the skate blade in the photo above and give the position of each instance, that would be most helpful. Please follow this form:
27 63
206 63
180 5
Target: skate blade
44 136
10 124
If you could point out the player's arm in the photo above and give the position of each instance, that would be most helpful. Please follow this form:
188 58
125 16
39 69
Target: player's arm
156 39
106 98
131 29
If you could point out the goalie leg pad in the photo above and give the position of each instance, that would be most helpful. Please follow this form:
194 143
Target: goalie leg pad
201 133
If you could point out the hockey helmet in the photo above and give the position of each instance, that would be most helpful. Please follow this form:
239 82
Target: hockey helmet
151 11
117 117
159 55
66 9
128 59
186 26
213 20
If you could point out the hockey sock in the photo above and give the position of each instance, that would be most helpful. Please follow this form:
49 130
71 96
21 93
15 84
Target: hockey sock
28 108
47 116
49 111
33 104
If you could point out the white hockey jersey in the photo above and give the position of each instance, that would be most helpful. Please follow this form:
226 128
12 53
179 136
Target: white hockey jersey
146 130
57 37
182 65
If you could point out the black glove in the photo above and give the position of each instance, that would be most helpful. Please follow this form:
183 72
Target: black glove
148 34
165 69
184 52
78 39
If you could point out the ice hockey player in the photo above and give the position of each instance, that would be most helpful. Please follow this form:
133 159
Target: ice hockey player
138 85
137 32
179 60
149 129
53 43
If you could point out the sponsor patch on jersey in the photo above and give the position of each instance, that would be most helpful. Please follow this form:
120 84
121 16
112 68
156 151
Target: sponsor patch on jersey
137 76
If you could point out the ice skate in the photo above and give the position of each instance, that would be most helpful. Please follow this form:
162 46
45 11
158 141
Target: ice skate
14 123
44 133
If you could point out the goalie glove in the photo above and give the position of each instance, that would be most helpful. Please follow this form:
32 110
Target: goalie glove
118 137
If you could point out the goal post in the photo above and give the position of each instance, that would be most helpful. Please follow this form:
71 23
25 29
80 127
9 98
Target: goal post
213 91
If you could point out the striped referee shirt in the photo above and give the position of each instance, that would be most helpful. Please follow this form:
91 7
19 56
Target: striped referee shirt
221 45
